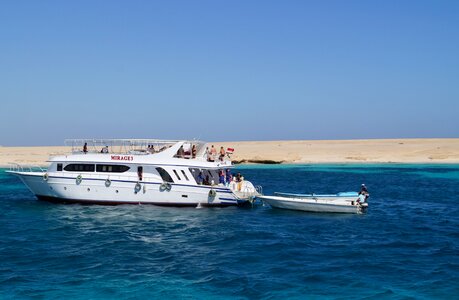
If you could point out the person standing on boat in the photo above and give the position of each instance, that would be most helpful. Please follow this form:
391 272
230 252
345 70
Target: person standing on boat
221 177
200 178
213 152
207 180
209 155
193 151
85 148
229 177
363 194
238 177
222 154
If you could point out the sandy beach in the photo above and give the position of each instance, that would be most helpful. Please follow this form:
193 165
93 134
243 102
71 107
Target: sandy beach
295 152
349 151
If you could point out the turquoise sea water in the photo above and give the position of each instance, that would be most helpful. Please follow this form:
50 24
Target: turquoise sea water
405 247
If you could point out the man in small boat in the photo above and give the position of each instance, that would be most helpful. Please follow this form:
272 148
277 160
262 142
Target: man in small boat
363 194
361 198
363 189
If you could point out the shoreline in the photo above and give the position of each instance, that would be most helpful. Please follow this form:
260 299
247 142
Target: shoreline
370 151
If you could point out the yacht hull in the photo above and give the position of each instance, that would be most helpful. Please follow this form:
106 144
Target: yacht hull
93 190
118 202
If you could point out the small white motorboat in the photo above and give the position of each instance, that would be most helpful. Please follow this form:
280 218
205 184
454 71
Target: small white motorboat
346 202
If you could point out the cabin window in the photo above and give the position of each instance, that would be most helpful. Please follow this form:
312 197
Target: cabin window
184 175
164 175
80 168
206 173
213 175
195 173
112 168
59 167
176 174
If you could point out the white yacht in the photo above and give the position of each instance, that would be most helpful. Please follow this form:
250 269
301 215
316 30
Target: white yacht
159 172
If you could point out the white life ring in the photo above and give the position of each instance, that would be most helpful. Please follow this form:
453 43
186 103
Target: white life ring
212 193
45 177
108 182
137 187
78 179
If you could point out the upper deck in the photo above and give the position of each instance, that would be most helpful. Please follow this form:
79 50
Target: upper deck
143 151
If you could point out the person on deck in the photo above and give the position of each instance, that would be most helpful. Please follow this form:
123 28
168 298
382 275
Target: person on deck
221 177
85 148
209 155
239 180
222 154
150 149
193 151
200 178
238 177
229 177
207 180
213 152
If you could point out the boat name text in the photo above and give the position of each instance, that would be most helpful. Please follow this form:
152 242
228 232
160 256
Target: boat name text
122 157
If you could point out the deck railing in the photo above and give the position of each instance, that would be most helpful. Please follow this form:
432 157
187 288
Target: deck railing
15 167
123 146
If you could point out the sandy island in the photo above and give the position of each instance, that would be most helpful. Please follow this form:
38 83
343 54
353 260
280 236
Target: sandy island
295 152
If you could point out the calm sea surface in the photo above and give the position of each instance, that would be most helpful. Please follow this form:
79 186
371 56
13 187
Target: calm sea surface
406 246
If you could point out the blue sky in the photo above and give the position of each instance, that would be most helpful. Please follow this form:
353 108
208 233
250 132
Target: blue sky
228 70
